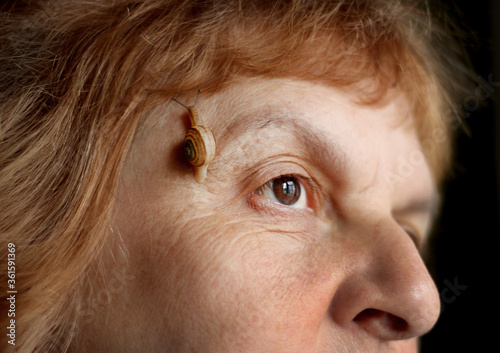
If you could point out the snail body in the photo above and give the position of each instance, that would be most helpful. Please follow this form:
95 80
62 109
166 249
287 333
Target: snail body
199 143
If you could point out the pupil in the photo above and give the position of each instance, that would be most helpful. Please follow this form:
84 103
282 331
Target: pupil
286 190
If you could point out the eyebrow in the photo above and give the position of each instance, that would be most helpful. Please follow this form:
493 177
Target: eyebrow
321 149
326 152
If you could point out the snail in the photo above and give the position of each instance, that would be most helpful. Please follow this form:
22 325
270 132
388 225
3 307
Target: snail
199 143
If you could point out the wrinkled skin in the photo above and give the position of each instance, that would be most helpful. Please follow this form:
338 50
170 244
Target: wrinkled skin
225 266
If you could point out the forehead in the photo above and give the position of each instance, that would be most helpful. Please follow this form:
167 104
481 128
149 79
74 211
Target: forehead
255 107
376 141
319 104
371 148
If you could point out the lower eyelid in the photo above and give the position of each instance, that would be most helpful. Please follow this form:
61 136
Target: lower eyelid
274 209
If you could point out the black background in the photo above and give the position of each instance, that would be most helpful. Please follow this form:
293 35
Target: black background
467 241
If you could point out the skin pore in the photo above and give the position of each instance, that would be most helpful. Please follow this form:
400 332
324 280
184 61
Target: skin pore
296 242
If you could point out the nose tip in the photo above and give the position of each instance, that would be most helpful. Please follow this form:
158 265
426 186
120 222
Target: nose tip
423 307
388 293
400 321
398 314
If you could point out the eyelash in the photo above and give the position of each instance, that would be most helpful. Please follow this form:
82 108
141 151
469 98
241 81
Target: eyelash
307 191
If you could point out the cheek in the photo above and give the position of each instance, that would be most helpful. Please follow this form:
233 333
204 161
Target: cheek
261 289
230 277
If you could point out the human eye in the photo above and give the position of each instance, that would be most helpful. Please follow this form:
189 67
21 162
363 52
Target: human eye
286 190
413 234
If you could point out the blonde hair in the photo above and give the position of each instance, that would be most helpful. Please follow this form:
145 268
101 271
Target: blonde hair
78 76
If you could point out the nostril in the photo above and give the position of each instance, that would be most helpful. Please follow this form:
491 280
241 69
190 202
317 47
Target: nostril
382 323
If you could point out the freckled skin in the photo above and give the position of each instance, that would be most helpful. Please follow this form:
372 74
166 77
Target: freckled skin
215 267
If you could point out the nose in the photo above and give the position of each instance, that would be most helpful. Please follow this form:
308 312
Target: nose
387 291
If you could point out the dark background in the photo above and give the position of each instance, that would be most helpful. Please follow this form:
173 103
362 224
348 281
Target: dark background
467 242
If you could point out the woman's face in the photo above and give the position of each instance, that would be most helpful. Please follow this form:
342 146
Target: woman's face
304 237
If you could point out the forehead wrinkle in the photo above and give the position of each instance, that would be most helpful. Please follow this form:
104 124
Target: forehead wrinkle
314 141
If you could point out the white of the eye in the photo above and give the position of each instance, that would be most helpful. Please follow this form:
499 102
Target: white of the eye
301 203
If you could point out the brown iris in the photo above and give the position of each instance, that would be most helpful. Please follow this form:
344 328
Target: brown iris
286 189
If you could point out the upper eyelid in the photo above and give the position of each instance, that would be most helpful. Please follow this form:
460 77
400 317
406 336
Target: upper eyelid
257 174
417 236
283 164
312 143
309 180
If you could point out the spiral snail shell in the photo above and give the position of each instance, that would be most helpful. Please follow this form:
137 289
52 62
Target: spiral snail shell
199 149
199 143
